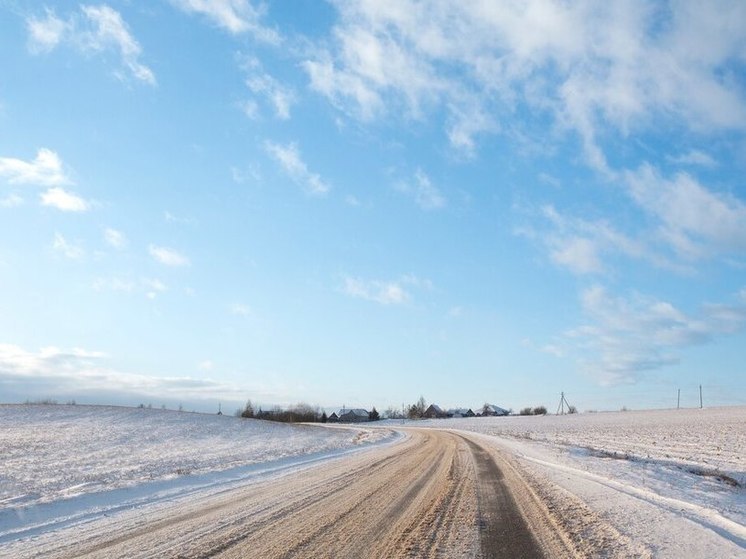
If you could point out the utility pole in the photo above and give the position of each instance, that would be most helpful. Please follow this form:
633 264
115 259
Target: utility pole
561 406
700 396
678 399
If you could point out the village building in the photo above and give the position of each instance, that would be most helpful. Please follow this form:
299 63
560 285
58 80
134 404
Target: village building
490 410
460 412
357 415
434 411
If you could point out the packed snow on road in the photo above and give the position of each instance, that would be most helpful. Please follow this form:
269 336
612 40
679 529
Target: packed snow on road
672 482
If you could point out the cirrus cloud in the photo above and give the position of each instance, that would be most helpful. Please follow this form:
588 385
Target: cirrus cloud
168 256
100 29
585 67
626 336
289 158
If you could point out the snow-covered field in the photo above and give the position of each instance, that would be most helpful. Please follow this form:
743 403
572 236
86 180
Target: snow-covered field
672 481
55 452
667 483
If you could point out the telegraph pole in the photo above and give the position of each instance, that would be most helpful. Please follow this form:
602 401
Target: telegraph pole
678 399
561 406
700 396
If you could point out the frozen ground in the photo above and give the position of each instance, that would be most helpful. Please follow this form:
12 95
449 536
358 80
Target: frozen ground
50 453
672 482
668 483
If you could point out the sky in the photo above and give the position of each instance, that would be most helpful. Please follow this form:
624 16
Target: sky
360 202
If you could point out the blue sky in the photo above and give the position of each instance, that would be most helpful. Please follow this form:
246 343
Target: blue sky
360 202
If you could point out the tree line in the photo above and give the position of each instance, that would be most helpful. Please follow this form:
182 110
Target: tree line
299 413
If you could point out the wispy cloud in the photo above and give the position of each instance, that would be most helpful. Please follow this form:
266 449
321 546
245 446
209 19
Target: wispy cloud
383 292
426 195
235 16
11 201
63 200
153 287
67 248
626 336
113 284
614 67
44 170
114 238
240 309
289 158
280 97
695 221
391 292
96 29
693 157
79 371
45 33
168 256
582 246
172 218
149 287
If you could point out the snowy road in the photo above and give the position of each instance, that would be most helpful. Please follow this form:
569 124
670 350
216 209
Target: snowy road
432 494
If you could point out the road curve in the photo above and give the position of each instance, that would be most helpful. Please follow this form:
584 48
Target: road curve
434 494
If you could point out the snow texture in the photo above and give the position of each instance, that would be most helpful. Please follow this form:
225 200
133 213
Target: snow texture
673 482
55 452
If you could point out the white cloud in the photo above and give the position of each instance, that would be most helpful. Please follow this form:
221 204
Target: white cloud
425 194
82 372
250 108
11 201
694 157
100 29
115 238
580 245
45 34
591 68
153 287
67 248
290 160
352 200
694 221
110 31
63 200
113 284
168 256
240 309
262 84
627 336
383 292
150 287
45 169
578 254
235 16
206 365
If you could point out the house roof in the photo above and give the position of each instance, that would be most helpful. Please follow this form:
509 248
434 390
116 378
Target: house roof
436 408
459 411
497 409
357 412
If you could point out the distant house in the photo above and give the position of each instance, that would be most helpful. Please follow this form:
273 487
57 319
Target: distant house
434 411
333 418
357 415
490 410
460 412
